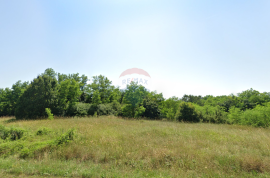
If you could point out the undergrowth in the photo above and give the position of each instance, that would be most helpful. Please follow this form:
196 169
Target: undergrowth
115 147
11 142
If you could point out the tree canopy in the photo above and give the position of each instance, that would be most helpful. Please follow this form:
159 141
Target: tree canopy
70 95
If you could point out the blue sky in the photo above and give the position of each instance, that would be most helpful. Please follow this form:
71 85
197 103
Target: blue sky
188 47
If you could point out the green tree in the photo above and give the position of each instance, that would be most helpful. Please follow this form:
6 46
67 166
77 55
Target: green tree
17 90
103 85
40 94
96 98
5 102
134 96
69 94
187 112
169 107
151 108
193 99
50 72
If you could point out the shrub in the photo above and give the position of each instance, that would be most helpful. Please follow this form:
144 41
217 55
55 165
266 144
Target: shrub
105 109
4 132
92 109
11 133
66 137
187 112
16 133
113 108
151 108
79 109
139 111
127 110
116 106
43 131
258 117
234 115
211 114
170 114
49 113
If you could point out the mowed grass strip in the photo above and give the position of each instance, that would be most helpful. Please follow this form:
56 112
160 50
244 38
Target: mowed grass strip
114 147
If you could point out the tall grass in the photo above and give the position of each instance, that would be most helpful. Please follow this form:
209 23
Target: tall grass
115 147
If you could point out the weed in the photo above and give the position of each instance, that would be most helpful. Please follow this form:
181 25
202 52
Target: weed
43 131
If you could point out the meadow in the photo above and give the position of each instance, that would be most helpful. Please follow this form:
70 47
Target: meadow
110 146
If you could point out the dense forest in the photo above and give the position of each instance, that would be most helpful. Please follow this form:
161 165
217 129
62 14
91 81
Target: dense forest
70 95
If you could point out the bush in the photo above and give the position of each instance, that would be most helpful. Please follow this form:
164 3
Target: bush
187 112
66 137
139 111
49 113
127 110
258 117
211 114
105 109
79 109
113 108
116 106
170 114
43 131
234 115
11 133
92 109
151 108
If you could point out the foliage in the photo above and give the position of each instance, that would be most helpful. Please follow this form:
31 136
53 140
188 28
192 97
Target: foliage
9 98
66 137
211 114
79 109
30 145
69 94
105 109
49 113
40 94
116 106
127 110
187 112
258 117
96 100
101 85
50 72
193 99
134 96
170 114
234 115
151 108
169 107
11 133
43 131
139 111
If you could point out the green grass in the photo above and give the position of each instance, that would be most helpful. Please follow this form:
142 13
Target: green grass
115 147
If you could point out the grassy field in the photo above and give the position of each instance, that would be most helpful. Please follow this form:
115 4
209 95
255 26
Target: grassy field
115 147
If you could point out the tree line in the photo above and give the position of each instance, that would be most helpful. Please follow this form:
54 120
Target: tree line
70 95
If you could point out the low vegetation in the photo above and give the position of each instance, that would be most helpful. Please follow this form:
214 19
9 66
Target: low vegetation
108 146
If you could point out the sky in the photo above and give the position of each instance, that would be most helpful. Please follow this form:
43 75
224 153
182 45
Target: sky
198 47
